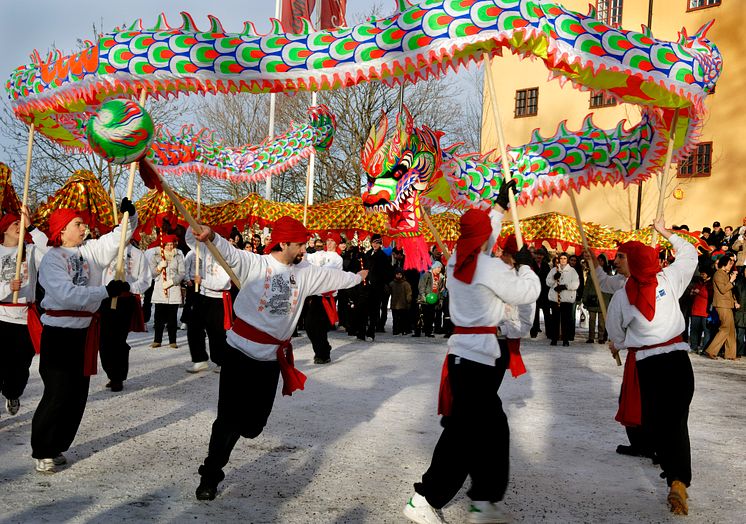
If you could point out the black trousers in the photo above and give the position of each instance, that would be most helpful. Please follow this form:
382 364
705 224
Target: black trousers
63 402
401 321
374 310
343 308
115 326
476 439
165 316
246 395
207 318
563 321
547 312
384 311
666 391
317 326
146 302
427 312
16 354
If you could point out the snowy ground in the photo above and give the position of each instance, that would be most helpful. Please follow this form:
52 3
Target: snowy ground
349 447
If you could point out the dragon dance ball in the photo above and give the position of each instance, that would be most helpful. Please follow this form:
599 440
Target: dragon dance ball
121 132
431 298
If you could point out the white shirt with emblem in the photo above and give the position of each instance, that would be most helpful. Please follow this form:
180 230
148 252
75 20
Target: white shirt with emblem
29 269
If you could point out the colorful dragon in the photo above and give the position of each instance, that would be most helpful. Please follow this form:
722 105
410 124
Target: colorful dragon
200 153
419 41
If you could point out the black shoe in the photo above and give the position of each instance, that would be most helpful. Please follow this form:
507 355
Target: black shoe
590 341
206 491
108 384
351 334
632 451
416 335
565 344
361 338
533 334
116 386
319 360
429 335
553 343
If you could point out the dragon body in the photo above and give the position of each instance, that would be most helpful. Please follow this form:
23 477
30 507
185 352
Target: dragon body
199 152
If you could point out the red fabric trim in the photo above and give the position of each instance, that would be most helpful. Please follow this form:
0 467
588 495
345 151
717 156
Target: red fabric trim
445 393
90 356
630 402
137 322
227 310
475 330
33 321
292 379
330 306
515 361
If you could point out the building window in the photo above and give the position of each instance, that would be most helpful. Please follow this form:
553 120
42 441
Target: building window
610 12
601 100
699 163
526 102
693 5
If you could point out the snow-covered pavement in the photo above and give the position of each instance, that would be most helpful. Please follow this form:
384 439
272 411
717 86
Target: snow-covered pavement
349 447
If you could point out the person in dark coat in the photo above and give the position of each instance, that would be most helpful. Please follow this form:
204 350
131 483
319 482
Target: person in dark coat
541 268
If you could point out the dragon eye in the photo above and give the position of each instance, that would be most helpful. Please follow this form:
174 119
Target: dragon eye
399 171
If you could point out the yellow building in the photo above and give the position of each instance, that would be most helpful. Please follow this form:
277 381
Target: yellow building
721 195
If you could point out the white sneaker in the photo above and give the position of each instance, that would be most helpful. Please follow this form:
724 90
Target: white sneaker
60 460
12 405
182 326
486 512
216 370
198 366
419 511
45 466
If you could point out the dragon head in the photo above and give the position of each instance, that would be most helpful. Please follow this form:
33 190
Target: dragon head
399 169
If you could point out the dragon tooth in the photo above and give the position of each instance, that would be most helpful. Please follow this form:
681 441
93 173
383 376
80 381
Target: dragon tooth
215 25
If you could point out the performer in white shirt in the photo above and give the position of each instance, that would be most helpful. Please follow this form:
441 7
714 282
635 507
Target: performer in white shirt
116 323
20 328
167 264
475 434
645 319
70 275
212 310
321 310
267 308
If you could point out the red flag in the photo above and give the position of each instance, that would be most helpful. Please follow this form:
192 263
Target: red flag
293 11
333 13
149 176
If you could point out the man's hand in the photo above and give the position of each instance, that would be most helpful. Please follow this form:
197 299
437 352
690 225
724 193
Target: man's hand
659 224
204 235
592 261
503 197
560 288
198 280
26 218
162 265
168 283
363 273
15 285
523 257
127 206
557 275
117 287
732 276
613 349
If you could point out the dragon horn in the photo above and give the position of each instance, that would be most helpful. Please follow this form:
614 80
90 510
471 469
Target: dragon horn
702 31
375 139
404 125
215 25
188 25
683 36
403 5
249 29
160 24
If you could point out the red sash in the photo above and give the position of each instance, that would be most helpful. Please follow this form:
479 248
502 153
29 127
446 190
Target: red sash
137 321
33 322
90 356
292 379
228 311
515 362
330 305
445 394
630 404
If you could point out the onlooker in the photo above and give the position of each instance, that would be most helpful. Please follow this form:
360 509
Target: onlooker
697 322
563 281
722 301
431 282
717 235
401 301
740 315
730 236
577 266
541 268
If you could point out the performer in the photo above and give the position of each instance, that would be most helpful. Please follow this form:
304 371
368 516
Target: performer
168 267
475 434
212 310
645 319
637 433
18 320
273 288
321 310
70 275
117 323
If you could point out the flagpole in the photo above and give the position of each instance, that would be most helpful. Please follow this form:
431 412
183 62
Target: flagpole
308 201
272 107
24 203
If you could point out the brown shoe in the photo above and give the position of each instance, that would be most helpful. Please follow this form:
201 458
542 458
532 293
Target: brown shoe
712 357
677 498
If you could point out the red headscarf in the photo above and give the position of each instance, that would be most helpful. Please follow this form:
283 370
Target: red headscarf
510 245
170 238
58 220
475 230
288 229
6 221
643 268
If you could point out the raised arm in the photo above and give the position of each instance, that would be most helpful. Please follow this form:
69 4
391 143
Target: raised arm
103 250
239 260
679 273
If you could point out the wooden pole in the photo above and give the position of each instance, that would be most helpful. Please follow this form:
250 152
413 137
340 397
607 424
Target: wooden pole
308 201
113 192
119 274
592 271
663 177
502 147
199 217
22 232
436 235
195 226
